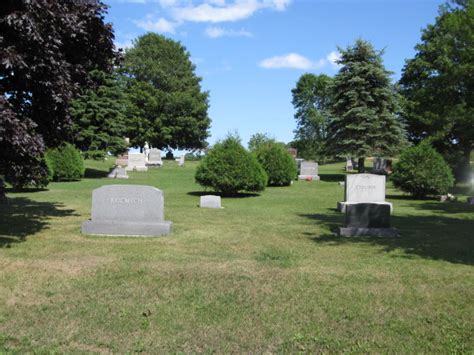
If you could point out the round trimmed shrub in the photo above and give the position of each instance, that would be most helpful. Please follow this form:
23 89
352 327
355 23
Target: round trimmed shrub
66 163
277 163
229 168
422 171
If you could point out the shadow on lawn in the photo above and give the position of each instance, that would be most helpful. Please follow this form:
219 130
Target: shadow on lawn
238 195
21 217
95 173
332 177
438 236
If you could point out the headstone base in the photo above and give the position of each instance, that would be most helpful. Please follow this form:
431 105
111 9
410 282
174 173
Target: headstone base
154 163
137 168
308 177
370 232
126 229
341 206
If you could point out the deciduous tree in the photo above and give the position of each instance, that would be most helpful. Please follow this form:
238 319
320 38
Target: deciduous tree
311 99
175 109
438 84
48 47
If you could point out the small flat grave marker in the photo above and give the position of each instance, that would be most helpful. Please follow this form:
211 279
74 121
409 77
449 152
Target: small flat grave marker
210 201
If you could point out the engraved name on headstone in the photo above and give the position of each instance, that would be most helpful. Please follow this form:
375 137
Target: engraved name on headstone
363 188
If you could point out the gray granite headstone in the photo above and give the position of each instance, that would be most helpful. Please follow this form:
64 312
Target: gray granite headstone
180 161
367 219
113 173
127 210
122 160
210 201
154 157
118 173
365 188
308 171
136 161
121 173
349 166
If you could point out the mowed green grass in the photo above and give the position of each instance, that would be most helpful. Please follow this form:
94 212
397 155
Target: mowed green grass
264 274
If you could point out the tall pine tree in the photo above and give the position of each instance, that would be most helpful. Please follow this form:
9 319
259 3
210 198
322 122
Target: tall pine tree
365 107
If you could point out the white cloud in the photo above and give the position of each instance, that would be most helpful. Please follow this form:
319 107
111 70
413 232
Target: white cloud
297 61
210 11
161 25
291 60
333 57
216 32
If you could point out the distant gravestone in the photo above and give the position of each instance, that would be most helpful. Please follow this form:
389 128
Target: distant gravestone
349 165
122 160
136 161
293 152
112 173
121 173
382 166
180 161
367 219
210 201
363 188
127 210
308 171
118 173
154 157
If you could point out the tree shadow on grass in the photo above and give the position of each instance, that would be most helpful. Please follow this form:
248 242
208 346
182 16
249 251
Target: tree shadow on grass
95 173
332 177
238 195
21 217
437 236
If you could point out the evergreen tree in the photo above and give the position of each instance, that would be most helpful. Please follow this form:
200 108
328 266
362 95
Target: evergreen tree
365 107
311 99
100 117
438 84
173 111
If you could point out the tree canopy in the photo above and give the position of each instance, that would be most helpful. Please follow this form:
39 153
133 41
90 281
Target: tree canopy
173 111
438 84
100 117
365 109
48 47
311 99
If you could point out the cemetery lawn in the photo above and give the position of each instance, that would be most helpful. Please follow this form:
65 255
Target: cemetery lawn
264 274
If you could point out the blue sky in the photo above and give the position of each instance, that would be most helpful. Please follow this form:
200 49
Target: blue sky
250 53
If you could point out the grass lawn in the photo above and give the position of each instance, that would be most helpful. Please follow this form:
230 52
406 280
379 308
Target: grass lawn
265 274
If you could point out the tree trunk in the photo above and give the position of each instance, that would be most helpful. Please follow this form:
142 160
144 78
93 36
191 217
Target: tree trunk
361 165
3 193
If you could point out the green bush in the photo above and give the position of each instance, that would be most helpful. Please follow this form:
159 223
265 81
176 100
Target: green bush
66 163
37 174
277 163
229 168
421 171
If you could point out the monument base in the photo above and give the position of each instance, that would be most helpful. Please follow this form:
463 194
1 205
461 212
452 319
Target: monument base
341 206
308 177
136 168
370 232
154 163
126 229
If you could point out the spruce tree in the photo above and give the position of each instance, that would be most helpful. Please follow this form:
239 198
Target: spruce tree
99 117
365 107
